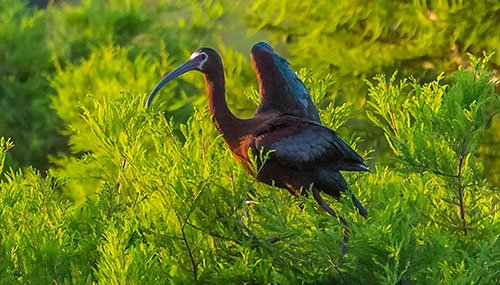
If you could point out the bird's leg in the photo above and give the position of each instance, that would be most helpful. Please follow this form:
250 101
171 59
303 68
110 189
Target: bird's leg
293 190
329 210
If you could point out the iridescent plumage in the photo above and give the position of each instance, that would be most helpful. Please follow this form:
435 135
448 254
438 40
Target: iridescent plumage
279 87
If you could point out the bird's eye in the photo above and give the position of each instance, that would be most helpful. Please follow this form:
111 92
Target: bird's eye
203 56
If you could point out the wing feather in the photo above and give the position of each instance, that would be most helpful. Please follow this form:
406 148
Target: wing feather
304 144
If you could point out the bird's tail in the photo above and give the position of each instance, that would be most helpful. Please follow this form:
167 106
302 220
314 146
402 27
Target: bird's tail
357 204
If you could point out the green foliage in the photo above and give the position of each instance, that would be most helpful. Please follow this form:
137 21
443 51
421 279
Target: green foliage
160 202
25 114
36 240
357 40
5 145
154 196
170 204
438 130
36 46
102 77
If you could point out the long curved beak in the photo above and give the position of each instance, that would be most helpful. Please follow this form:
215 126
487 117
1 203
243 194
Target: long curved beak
187 66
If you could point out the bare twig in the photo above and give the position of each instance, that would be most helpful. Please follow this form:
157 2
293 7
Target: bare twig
444 174
190 253
183 227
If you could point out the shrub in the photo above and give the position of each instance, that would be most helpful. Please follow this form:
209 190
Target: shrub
166 202
26 115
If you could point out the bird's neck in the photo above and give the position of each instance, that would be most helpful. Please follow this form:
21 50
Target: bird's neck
225 121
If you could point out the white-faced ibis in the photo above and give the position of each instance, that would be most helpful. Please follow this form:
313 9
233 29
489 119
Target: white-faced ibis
280 88
302 151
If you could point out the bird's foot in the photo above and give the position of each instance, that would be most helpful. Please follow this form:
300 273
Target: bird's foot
273 239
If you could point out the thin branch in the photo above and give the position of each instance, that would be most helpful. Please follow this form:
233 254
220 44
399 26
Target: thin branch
156 233
461 195
190 253
445 174
183 226
393 125
209 232
337 269
112 193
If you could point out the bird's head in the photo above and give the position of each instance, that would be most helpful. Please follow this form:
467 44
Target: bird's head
204 60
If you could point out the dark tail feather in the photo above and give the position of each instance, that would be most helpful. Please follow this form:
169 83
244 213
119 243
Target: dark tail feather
357 204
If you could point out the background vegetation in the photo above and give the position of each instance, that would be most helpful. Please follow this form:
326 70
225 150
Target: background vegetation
96 189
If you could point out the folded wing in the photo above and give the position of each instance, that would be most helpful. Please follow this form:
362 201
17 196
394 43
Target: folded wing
304 144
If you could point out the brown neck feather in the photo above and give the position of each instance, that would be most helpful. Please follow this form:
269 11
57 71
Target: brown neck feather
228 124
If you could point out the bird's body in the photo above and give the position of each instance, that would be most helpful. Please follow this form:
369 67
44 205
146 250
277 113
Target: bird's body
282 91
301 151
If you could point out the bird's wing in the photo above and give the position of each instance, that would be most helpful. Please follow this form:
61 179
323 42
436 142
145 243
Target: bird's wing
282 90
304 144
298 91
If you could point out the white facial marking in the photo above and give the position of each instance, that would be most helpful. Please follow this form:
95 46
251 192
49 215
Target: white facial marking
194 54
202 54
